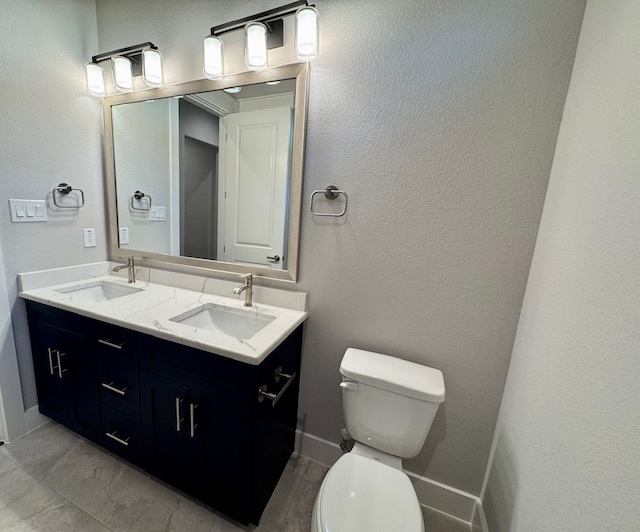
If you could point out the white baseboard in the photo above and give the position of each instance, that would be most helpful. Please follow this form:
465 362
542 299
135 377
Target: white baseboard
435 495
34 418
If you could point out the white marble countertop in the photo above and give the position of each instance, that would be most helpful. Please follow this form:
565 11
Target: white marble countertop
151 310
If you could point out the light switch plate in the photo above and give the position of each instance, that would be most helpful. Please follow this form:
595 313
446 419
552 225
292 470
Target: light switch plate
158 214
89 238
28 210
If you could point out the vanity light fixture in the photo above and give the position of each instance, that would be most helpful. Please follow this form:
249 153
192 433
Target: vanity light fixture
213 61
95 79
141 59
255 46
122 73
233 90
264 31
307 33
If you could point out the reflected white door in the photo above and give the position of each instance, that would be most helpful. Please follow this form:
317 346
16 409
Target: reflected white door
256 177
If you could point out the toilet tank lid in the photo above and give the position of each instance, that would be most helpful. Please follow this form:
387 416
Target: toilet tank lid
393 374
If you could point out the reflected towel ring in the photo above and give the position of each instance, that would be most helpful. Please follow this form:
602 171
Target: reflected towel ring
65 189
331 193
137 195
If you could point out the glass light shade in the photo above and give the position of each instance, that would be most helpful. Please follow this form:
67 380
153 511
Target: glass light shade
256 46
213 62
152 68
95 79
122 77
306 33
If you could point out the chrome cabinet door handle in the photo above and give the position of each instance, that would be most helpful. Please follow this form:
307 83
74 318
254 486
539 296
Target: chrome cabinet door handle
113 389
115 438
50 351
275 258
179 419
193 424
60 370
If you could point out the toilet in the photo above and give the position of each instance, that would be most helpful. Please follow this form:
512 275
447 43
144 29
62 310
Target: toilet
389 405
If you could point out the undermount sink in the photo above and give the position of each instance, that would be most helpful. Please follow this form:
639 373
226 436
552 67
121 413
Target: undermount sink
99 291
239 323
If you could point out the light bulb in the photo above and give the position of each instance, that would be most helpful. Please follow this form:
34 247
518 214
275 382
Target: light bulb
306 33
256 46
213 61
152 68
122 77
95 79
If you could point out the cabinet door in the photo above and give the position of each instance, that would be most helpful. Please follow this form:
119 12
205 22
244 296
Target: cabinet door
53 398
165 429
84 404
221 443
66 379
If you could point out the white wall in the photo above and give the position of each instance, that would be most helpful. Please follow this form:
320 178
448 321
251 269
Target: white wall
439 119
567 452
50 130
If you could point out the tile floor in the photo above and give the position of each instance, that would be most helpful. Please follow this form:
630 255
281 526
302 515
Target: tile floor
53 480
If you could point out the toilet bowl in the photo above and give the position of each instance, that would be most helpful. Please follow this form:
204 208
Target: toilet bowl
389 405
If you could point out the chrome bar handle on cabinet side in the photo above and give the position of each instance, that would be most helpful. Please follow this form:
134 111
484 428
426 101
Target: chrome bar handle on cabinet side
60 370
192 422
115 438
178 418
274 398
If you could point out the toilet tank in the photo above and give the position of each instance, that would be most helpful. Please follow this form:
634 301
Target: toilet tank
389 403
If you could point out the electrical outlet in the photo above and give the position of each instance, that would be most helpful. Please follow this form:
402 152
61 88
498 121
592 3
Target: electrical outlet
124 236
89 238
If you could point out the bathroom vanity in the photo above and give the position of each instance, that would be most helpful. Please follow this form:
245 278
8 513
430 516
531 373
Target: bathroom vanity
183 403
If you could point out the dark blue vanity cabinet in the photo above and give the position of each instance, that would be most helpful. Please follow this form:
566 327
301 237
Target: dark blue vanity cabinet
189 417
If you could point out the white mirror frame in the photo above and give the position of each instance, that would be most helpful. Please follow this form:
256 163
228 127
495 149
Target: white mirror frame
298 71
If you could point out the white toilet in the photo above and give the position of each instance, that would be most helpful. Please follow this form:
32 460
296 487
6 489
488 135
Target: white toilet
389 405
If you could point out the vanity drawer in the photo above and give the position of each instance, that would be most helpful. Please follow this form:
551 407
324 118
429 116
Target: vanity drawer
117 343
118 385
121 435
221 376
61 323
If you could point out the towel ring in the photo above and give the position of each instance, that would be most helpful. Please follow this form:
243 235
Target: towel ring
138 196
330 193
65 189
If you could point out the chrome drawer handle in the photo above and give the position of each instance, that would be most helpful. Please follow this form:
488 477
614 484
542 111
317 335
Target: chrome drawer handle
113 389
115 438
110 343
262 391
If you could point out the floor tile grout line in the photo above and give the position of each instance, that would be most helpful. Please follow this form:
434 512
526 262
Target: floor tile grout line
44 483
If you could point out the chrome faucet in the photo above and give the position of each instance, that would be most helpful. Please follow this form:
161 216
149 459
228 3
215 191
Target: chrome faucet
247 288
129 266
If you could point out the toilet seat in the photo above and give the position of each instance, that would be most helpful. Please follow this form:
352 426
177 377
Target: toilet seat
361 494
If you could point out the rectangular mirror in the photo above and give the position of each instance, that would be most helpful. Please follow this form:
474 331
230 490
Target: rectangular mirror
209 173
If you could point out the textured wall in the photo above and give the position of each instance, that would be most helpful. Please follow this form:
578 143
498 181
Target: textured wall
50 131
566 448
439 119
